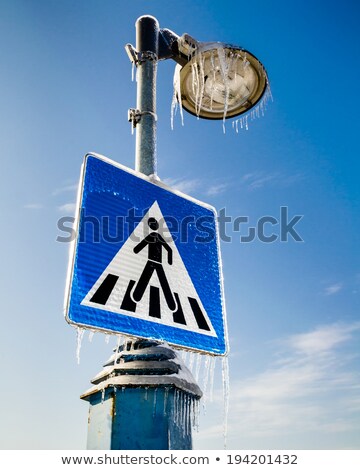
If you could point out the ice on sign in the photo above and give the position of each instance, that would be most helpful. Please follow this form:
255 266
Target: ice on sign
142 265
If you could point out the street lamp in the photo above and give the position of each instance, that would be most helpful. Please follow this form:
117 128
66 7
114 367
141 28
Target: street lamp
220 81
212 80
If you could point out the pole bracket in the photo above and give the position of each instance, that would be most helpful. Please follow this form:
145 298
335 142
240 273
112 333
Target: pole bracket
134 115
139 57
144 56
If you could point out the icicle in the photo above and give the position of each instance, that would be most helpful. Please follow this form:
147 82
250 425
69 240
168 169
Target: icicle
260 108
154 403
234 64
176 100
205 382
146 393
188 414
196 86
192 412
102 396
246 63
79 336
176 407
201 81
115 390
181 410
174 104
183 400
212 60
184 413
91 336
197 415
194 83
197 367
107 338
224 69
208 381
180 404
211 384
188 359
191 363
133 71
166 394
226 393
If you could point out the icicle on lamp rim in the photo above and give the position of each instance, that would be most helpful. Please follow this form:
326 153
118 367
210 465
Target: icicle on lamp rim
200 101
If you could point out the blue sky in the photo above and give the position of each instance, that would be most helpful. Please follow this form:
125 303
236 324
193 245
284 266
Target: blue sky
293 308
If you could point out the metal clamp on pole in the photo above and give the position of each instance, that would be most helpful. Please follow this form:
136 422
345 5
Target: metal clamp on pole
134 116
139 57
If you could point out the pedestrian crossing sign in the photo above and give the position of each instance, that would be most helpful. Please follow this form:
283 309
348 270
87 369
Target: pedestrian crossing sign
145 261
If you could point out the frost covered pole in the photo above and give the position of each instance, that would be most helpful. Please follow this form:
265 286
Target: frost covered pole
152 44
144 116
145 398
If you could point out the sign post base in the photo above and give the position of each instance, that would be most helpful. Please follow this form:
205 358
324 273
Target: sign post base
144 399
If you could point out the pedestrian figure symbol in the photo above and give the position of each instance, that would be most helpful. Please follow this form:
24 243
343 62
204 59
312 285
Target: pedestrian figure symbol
148 279
155 243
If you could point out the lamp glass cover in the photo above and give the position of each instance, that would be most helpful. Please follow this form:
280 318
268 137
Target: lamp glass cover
221 82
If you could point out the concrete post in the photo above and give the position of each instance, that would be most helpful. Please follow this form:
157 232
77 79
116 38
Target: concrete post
144 399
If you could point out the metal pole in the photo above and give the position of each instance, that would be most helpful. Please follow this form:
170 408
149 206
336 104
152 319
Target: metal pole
144 398
147 47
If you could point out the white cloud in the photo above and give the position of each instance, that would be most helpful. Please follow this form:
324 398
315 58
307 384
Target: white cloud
184 185
333 289
217 189
309 392
259 179
262 180
65 189
189 186
67 208
293 392
323 339
34 206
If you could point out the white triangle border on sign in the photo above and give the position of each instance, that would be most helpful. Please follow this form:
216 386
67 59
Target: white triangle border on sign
127 265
